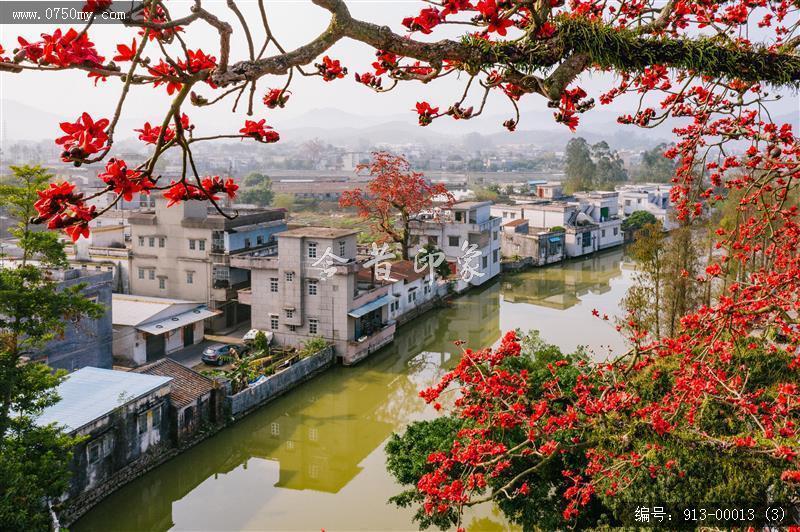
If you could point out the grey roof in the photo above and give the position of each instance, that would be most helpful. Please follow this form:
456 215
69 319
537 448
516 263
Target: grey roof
469 204
316 232
91 393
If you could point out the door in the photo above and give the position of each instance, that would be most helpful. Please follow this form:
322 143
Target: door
155 346
188 335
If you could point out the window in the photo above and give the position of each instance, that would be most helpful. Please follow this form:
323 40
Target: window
485 262
494 256
412 296
289 313
312 287
312 250
221 273
162 283
141 241
151 241
189 277
616 231
452 241
313 326
151 274
141 273
273 322
603 233
162 242
142 422
259 240
273 284
94 451
434 240
97 268
202 245
627 203
494 235
289 276
191 244
292 328
342 248
275 429
157 417
246 242
312 434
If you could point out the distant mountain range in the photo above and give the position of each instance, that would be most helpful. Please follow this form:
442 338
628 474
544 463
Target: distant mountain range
342 128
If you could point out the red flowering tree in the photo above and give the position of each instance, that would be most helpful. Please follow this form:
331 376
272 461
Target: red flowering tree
709 67
394 197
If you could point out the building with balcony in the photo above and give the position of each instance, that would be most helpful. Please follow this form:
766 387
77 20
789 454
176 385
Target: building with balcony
454 230
601 208
148 328
308 286
184 252
105 249
650 197
542 246
590 220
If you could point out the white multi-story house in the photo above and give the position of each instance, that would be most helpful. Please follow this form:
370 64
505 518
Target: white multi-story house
602 209
590 220
455 230
184 252
308 287
651 197
412 290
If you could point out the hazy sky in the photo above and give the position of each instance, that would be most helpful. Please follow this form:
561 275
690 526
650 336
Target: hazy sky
294 22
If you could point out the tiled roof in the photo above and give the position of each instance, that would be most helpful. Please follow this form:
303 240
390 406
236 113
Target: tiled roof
514 223
186 386
404 269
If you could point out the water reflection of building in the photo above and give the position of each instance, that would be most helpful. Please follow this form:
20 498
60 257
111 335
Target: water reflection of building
318 436
561 287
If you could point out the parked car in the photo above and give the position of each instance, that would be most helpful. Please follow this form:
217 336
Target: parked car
215 354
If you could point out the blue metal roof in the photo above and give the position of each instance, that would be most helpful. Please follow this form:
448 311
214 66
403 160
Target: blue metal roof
91 393
372 305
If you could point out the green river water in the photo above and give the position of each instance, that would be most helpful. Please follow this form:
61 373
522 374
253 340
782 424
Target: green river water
313 459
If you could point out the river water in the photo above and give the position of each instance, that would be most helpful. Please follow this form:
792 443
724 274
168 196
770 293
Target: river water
314 458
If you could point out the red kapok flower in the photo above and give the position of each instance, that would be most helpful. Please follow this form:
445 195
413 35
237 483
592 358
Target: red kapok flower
125 53
259 131
125 182
83 138
276 98
331 69
426 113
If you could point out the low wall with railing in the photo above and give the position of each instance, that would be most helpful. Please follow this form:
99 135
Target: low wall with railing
250 398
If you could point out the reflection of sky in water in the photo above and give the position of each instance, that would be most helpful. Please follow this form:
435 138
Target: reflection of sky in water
314 457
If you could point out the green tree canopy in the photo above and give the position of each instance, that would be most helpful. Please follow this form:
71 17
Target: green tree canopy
34 460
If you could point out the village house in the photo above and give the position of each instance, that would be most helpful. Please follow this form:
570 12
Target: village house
86 342
194 402
307 286
107 248
148 328
185 252
542 246
589 220
454 230
121 416
412 291
649 197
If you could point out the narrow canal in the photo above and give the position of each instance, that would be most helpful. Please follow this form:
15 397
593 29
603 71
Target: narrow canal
314 458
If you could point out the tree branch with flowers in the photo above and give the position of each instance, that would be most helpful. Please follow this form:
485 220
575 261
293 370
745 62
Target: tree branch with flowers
725 381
